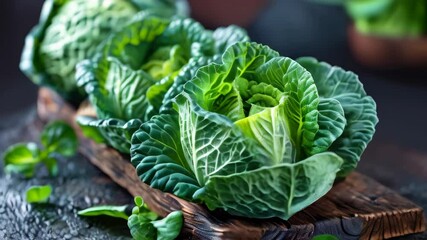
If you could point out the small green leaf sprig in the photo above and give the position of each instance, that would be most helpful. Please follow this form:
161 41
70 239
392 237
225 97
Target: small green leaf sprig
38 194
325 237
57 138
143 223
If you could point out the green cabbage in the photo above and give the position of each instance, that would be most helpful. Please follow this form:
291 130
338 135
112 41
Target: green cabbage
70 31
394 18
258 135
142 67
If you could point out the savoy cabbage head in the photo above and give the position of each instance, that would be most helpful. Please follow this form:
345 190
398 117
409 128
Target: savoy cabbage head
70 31
257 134
142 67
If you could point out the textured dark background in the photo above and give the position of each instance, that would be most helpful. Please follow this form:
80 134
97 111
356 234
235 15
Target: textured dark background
396 157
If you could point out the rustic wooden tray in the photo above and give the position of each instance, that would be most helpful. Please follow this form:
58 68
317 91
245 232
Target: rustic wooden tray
356 208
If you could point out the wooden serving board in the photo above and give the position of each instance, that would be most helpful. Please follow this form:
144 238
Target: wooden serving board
356 208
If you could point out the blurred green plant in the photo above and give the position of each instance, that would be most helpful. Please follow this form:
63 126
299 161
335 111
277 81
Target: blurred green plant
143 223
325 237
38 194
392 18
57 138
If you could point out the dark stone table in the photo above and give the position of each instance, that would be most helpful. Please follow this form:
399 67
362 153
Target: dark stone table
78 186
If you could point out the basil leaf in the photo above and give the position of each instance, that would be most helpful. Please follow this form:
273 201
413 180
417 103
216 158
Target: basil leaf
21 158
38 194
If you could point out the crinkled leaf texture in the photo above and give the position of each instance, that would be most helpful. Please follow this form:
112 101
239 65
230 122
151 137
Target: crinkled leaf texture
159 159
57 43
239 136
211 143
331 122
359 109
224 37
138 64
70 31
187 73
253 77
227 36
277 191
144 66
115 90
117 133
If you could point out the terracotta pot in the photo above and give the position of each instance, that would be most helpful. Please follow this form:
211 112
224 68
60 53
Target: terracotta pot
387 53
215 13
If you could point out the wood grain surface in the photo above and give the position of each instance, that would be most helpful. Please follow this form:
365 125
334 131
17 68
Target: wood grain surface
356 208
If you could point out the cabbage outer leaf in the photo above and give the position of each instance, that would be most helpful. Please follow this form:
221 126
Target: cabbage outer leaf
274 191
117 133
115 90
331 122
359 109
159 159
227 36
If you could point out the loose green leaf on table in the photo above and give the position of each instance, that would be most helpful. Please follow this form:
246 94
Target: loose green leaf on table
325 237
21 158
38 194
144 224
113 211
